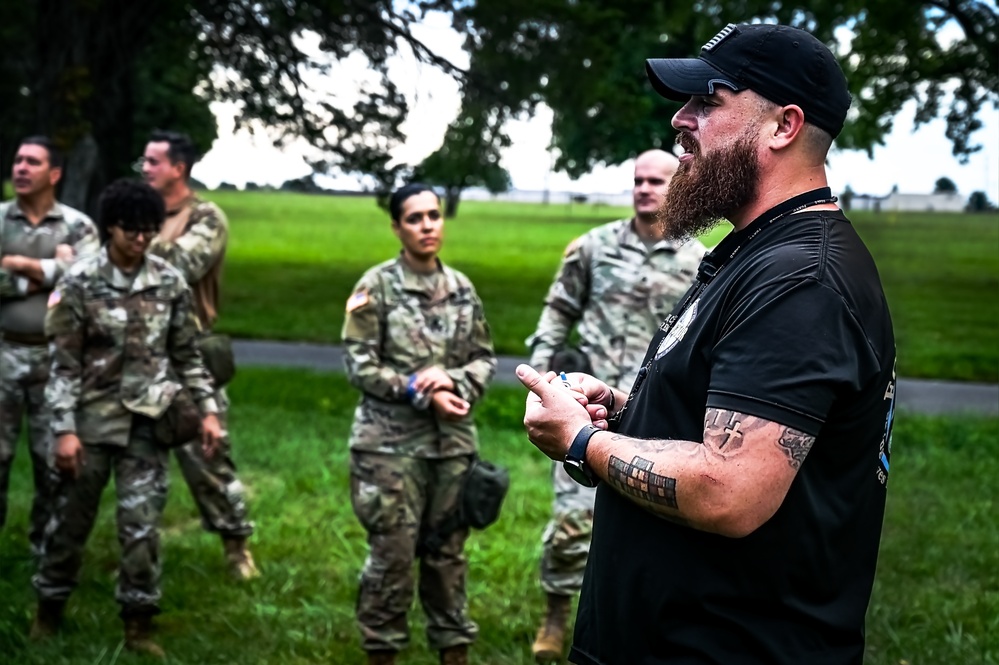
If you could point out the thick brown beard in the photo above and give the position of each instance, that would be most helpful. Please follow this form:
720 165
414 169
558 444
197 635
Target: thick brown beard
708 189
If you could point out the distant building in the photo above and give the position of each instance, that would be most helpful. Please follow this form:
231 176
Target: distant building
898 202
556 198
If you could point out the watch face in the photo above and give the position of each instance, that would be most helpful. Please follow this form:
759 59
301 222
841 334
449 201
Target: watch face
577 473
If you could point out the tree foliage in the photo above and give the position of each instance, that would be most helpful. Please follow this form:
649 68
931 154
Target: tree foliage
469 157
99 75
944 185
286 65
305 184
586 61
979 202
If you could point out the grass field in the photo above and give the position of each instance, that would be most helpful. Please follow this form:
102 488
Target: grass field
294 259
936 599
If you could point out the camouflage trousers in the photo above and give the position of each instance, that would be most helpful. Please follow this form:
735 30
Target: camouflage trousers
220 497
398 500
24 371
566 539
140 471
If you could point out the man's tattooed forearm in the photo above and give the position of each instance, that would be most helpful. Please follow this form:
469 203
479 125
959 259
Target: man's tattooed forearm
795 445
637 479
646 445
657 445
725 431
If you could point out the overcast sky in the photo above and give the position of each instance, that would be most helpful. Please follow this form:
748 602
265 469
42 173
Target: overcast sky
913 160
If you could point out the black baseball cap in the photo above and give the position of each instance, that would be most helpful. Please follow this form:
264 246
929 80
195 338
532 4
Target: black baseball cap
783 64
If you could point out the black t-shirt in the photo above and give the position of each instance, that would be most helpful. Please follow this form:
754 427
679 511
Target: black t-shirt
794 329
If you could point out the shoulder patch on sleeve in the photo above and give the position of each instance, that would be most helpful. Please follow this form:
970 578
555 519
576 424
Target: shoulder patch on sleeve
358 300
54 298
573 246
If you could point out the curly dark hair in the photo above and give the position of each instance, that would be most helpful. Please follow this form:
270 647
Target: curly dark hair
131 205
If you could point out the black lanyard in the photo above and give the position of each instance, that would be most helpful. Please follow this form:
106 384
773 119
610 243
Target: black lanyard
722 255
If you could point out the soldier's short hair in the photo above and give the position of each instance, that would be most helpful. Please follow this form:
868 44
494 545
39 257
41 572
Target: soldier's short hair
56 157
400 195
130 205
180 148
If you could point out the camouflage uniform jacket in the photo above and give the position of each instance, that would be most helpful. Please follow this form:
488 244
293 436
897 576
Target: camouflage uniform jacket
393 329
618 292
118 351
62 225
193 240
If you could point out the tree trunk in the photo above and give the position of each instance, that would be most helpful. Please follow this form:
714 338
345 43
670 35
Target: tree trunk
451 199
82 162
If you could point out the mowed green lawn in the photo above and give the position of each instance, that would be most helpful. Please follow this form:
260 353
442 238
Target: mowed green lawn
936 598
293 260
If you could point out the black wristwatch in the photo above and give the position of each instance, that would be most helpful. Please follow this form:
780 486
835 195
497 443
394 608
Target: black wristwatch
575 458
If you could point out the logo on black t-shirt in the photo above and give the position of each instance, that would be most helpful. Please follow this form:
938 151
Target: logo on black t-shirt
884 453
677 330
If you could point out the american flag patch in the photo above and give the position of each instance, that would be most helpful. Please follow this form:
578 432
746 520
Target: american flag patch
357 300
572 247
54 299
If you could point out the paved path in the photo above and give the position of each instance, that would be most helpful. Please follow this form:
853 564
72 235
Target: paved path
920 395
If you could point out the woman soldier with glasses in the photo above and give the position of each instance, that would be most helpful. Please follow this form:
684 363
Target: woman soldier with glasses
122 330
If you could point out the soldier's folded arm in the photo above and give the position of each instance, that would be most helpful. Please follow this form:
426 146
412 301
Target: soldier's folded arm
198 249
83 240
26 268
12 286
184 354
64 328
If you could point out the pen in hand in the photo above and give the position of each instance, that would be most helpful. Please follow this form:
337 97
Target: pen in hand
565 380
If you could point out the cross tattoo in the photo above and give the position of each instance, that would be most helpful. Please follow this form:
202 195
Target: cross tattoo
730 431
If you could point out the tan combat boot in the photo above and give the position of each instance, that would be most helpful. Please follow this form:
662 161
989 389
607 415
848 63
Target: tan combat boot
456 655
238 556
139 636
48 618
551 635
381 658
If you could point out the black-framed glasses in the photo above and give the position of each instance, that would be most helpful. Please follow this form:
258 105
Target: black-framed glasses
131 234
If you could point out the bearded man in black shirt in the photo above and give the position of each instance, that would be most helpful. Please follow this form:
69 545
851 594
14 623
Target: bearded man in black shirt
741 484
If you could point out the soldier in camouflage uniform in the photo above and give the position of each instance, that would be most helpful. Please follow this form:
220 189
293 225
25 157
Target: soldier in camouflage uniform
39 238
193 240
418 347
616 284
123 332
